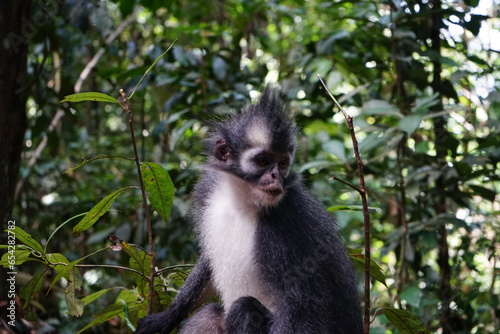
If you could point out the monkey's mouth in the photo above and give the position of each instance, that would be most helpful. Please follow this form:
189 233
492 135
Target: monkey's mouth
272 190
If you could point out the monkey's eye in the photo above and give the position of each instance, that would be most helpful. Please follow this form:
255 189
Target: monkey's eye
283 164
261 161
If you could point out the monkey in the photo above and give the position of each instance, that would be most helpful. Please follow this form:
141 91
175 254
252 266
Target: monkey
269 249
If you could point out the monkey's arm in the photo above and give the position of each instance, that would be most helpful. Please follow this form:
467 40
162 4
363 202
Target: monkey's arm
195 291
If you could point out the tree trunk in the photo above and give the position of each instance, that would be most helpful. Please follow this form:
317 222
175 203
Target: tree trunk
14 34
440 135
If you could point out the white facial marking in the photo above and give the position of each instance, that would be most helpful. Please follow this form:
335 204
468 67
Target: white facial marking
246 163
258 136
227 237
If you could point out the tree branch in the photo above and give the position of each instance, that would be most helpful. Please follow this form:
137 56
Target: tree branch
364 202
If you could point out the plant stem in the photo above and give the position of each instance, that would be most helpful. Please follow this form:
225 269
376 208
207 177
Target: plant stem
364 202
346 183
152 273
111 266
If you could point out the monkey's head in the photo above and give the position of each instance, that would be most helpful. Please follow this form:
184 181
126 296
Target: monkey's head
257 147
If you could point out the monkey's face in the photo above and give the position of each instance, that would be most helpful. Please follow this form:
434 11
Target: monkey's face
263 171
266 171
256 147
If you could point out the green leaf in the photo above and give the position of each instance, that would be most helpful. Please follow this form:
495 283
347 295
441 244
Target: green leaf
334 80
380 107
219 68
31 289
406 322
89 96
28 240
359 262
58 258
321 66
90 298
485 193
101 319
374 140
352 208
423 104
75 305
126 7
319 164
97 211
335 147
412 296
116 309
179 132
20 256
62 270
126 316
126 295
410 123
140 260
160 187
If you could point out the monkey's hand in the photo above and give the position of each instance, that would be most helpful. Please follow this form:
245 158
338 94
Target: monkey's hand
196 289
155 323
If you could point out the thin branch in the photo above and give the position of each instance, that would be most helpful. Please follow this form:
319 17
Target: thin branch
346 116
364 202
111 266
161 271
151 277
346 183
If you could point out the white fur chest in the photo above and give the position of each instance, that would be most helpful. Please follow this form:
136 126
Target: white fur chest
227 237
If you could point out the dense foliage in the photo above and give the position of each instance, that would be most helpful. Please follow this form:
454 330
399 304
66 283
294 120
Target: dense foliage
420 77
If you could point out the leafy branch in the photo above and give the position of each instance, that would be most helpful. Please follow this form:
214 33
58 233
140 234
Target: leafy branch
155 184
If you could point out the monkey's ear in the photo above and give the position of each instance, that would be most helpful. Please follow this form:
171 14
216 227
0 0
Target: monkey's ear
221 150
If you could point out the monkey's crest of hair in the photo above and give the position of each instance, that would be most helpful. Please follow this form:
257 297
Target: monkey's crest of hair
266 123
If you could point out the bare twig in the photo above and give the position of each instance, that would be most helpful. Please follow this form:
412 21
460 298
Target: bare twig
151 277
364 202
